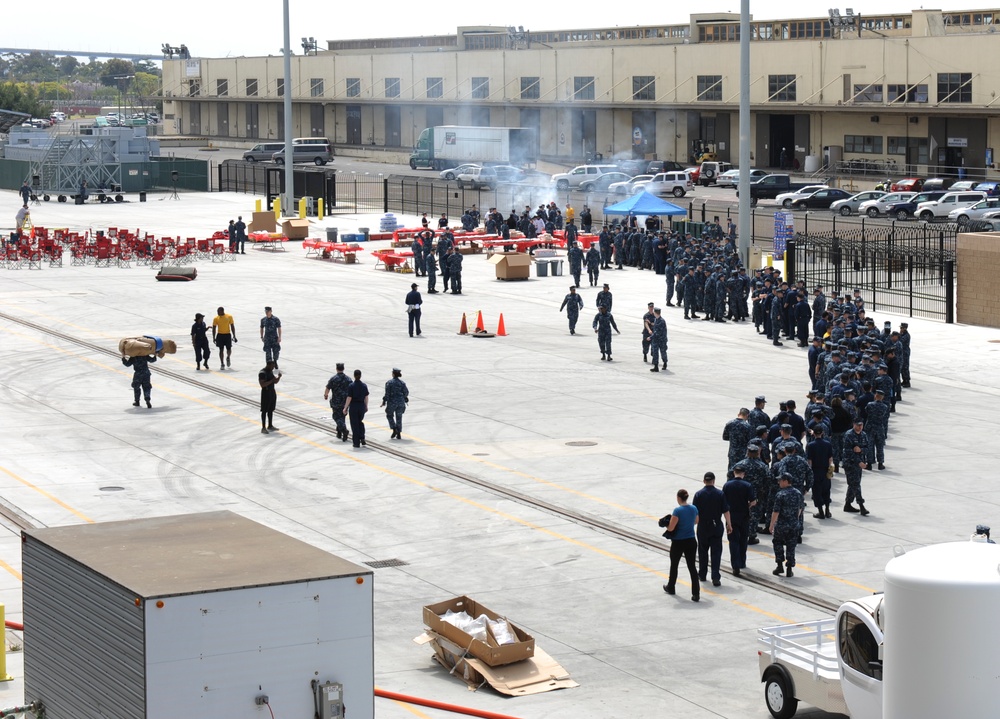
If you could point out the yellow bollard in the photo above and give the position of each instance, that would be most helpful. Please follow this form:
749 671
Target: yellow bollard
4 676
319 208
302 208
257 207
277 208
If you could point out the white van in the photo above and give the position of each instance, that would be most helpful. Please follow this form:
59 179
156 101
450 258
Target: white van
935 209
262 151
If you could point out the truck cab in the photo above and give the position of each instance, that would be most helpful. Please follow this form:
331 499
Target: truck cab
834 664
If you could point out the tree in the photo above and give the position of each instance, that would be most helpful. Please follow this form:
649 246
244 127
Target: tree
145 85
21 97
115 70
67 66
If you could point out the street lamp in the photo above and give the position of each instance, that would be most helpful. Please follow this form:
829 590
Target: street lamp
309 46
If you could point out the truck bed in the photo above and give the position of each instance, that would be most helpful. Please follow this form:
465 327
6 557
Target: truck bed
808 651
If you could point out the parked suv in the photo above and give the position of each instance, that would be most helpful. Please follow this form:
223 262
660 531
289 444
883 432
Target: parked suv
935 209
904 210
677 184
578 175
319 153
262 151
478 178
710 172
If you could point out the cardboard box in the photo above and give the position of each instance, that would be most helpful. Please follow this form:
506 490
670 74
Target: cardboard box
541 673
295 229
263 222
489 652
512 265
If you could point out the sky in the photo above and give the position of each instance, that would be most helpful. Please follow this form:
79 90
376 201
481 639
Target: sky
221 28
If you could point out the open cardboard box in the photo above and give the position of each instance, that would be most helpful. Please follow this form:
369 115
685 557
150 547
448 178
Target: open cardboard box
490 652
295 229
512 265
263 222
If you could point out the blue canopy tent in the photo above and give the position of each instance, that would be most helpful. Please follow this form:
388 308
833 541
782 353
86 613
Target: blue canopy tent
643 203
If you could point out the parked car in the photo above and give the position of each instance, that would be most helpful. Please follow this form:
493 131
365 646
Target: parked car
874 208
262 151
657 166
604 182
990 187
821 199
319 154
630 187
677 184
508 173
938 183
905 210
478 178
909 184
452 173
731 178
982 210
710 172
937 209
963 185
769 187
850 205
785 199
581 174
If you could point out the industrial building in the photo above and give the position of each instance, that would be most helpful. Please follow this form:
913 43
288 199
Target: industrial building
912 89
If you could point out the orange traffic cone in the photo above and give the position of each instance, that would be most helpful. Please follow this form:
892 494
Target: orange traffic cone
464 329
479 322
501 330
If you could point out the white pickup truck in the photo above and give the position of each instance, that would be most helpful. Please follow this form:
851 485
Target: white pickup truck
834 664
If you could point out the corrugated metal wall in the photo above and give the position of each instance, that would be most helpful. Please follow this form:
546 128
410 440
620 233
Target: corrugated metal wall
83 640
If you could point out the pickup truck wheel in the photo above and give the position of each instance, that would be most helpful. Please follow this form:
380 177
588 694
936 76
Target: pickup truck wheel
753 202
927 216
678 192
873 212
845 211
901 215
562 185
778 696
786 204
413 164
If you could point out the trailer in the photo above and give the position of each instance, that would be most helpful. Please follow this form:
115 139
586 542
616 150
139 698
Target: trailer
449 145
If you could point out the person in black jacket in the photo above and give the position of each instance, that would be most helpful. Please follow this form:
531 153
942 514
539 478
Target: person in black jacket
413 304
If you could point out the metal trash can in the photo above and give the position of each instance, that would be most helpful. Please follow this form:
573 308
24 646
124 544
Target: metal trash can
541 268
557 267
331 234
142 196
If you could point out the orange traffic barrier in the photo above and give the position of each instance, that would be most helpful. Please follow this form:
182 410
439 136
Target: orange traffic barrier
464 329
501 330
479 322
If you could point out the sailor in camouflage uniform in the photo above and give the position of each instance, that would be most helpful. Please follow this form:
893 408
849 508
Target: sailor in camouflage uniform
738 433
394 400
336 392
856 448
785 518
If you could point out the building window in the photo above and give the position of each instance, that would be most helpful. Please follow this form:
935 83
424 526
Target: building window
643 87
781 88
392 87
867 93
281 87
896 145
906 93
954 87
194 88
316 87
435 87
251 88
480 88
222 88
354 87
710 88
864 144
530 88
583 88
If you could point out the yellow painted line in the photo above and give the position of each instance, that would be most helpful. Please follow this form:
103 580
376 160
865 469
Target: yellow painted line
419 483
47 495
11 570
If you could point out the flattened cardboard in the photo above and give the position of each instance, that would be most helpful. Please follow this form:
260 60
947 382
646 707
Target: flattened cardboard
263 222
512 265
295 229
490 652
537 675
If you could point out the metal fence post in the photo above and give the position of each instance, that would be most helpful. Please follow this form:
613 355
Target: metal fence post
909 270
837 258
790 262
940 257
385 195
703 212
949 291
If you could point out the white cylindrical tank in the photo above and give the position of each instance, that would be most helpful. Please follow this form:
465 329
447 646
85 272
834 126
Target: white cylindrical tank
942 640
812 164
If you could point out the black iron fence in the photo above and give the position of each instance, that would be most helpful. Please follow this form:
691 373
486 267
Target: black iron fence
903 268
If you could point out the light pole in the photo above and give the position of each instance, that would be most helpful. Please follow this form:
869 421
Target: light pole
744 219
289 200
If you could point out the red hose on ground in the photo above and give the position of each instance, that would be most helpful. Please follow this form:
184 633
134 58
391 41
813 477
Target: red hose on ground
14 625
440 705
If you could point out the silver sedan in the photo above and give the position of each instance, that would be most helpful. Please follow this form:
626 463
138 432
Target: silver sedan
849 206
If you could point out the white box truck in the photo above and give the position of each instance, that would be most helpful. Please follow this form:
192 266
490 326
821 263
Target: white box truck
450 145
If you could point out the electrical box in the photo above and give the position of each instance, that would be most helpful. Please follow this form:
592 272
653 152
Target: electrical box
211 612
